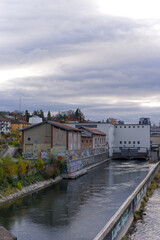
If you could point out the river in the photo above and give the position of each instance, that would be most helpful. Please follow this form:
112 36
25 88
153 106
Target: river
74 209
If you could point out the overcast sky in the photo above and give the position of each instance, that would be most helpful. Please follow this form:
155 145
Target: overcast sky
101 56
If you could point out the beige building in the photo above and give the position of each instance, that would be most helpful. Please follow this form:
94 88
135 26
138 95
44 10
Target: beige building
86 141
98 137
49 137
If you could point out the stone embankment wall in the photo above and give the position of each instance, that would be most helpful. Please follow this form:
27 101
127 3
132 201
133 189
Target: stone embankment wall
119 224
5 235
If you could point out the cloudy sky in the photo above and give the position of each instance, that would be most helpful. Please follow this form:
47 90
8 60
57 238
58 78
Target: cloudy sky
101 56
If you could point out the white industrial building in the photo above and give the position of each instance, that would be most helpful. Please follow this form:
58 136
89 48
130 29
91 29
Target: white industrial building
35 120
126 140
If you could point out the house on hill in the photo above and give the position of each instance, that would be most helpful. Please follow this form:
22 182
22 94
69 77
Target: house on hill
5 124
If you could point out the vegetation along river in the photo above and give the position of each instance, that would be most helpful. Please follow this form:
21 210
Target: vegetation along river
74 209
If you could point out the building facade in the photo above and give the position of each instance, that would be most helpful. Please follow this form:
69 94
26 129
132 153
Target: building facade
124 140
98 137
49 137
5 125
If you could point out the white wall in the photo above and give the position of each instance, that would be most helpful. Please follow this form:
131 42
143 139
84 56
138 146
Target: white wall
132 135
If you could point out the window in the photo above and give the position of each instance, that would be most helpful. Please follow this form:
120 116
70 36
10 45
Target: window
124 126
129 126
133 126
29 139
120 126
134 142
124 142
129 142
120 142
137 126
138 142
142 126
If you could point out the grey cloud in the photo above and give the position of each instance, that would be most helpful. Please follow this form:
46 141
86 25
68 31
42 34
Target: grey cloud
84 59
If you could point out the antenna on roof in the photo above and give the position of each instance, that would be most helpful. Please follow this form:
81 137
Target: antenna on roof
20 105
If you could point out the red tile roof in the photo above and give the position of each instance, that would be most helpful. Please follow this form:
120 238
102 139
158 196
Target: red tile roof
4 119
85 135
94 131
66 127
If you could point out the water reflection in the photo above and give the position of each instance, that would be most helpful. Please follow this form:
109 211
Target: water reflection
76 209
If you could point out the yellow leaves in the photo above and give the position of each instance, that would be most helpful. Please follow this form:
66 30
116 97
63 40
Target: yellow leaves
40 164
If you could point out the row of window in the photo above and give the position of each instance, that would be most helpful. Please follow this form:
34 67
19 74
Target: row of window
129 126
87 141
129 142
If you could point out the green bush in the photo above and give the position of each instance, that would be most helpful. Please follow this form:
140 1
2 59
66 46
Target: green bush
19 185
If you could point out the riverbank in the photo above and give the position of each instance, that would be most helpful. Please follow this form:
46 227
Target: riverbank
29 189
43 184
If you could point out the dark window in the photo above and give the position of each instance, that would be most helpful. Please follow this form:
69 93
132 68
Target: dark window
129 142
134 142
124 126
137 126
133 126
129 126
124 142
120 142
29 139
138 142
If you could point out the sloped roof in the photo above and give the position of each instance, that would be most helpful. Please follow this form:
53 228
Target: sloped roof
64 126
85 135
55 124
4 119
17 121
94 131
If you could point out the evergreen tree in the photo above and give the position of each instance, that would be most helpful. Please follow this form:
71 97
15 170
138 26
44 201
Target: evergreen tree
27 115
41 114
49 116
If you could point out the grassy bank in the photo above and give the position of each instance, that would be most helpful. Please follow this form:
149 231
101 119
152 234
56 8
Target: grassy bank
14 175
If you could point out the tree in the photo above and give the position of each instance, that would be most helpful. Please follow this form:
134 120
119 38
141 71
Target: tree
27 115
49 116
79 115
9 167
41 114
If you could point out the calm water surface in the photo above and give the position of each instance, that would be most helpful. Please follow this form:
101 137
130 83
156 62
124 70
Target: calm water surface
75 209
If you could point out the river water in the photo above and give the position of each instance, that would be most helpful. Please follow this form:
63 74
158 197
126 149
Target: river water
74 209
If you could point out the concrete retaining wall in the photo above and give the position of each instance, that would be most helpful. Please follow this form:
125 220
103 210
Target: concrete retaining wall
119 224
76 165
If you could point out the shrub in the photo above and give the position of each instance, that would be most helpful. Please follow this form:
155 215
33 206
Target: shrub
49 172
21 168
9 167
19 185
40 164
